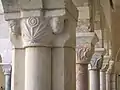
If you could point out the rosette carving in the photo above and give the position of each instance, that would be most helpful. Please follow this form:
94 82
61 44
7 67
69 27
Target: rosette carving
37 31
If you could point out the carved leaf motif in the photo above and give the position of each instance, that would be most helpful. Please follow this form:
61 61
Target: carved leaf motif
37 30
96 62
83 53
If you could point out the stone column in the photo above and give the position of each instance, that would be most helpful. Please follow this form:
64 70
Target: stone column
113 81
108 75
86 40
63 51
18 55
7 73
94 69
84 52
37 35
47 34
103 74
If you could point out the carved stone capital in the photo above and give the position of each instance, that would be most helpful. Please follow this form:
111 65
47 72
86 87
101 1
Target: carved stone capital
97 60
104 67
37 31
7 69
105 64
14 26
86 38
15 33
111 63
57 24
84 54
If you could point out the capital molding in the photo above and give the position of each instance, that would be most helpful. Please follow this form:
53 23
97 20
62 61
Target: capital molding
97 60
86 38
105 64
111 63
83 54
36 31
15 33
104 67
7 69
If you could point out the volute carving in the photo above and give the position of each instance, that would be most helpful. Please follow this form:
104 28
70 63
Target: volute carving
96 62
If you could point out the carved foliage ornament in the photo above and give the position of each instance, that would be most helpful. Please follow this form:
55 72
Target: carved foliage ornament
96 62
111 63
83 54
37 31
104 67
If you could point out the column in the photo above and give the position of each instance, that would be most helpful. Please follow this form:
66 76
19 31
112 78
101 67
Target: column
47 34
108 75
18 55
103 73
37 36
94 69
86 40
63 51
113 81
84 52
7 73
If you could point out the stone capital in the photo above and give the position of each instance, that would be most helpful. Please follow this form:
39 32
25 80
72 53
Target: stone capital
104 67
105 64
36 31
86 38
7 69
83 54
110 68
15 33
97 59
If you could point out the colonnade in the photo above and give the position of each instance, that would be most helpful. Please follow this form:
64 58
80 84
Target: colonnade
47 35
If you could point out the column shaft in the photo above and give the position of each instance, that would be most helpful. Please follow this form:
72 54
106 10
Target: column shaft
107 81
7 81
94 80
37 68
102 80
81 76
18 69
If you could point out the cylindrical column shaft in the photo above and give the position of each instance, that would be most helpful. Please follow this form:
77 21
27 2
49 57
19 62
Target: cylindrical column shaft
94 80
102 80
7 81
107 81
37 68
81 76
